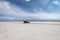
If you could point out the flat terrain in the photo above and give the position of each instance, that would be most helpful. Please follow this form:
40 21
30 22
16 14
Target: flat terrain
32 31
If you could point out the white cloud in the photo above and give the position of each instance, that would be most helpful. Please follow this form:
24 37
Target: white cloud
27 0
48 16
4 5
56 2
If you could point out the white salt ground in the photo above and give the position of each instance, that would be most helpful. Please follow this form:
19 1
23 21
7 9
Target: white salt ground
21 31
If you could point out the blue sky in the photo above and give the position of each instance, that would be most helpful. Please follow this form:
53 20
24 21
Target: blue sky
30 9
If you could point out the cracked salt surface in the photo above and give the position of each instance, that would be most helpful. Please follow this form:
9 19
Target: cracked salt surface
20 31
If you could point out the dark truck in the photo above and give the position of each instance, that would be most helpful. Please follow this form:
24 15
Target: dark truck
26 21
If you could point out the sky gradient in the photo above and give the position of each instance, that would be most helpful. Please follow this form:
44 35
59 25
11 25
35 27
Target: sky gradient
30 9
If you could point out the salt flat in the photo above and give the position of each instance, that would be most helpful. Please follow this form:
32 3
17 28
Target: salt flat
32 31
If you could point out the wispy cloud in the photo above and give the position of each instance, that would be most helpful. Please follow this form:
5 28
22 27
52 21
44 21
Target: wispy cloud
27 0
4 5
6 18
56 2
